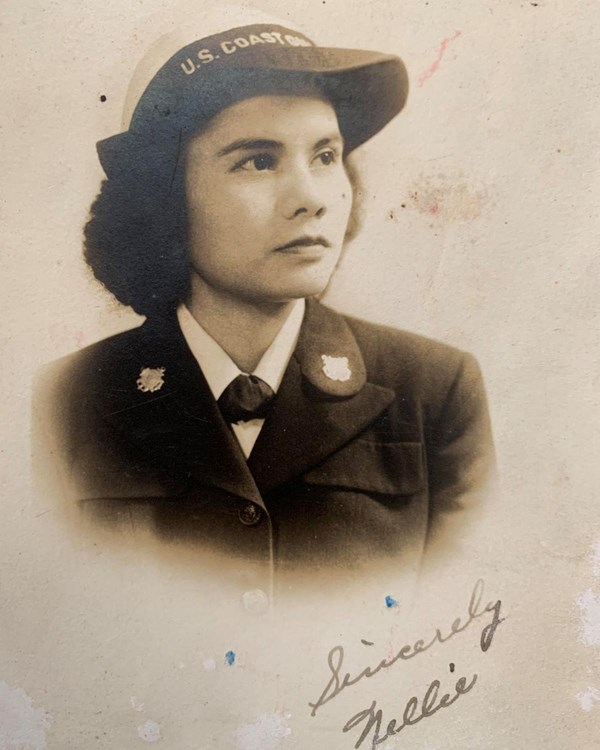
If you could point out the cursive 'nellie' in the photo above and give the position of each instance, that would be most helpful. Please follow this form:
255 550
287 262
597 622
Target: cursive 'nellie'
429 706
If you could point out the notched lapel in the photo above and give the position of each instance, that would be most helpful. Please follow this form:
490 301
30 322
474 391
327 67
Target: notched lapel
323 402
179 426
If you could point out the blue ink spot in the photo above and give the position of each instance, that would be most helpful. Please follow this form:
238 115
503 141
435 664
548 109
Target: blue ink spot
230 658
390 602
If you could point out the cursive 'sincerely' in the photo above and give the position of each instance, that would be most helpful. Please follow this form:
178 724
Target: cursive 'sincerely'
339 681
412 714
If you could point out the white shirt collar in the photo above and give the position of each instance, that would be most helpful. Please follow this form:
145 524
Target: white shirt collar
218 367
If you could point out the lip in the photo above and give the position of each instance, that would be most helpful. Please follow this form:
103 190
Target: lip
297 245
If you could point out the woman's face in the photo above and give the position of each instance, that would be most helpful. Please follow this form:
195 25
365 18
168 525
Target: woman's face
268 199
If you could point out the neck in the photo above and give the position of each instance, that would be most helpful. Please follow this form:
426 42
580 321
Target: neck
244 329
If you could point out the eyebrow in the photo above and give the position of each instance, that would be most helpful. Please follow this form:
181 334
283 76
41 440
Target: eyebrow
250 144
331 139
253 144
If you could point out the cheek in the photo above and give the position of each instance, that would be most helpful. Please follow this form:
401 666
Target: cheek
242 203
211 212
227 227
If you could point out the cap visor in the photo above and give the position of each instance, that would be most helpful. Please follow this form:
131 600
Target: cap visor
366 88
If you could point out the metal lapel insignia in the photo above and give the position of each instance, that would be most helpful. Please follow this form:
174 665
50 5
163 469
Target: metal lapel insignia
151 379
336 368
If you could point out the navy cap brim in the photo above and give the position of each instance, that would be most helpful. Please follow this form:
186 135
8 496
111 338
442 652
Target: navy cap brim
367 89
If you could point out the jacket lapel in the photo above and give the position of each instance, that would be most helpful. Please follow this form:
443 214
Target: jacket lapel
179 426
324 401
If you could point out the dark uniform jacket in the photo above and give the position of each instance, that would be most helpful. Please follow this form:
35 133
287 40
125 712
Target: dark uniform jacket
346 467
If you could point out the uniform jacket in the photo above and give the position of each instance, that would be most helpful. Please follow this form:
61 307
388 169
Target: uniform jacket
353 463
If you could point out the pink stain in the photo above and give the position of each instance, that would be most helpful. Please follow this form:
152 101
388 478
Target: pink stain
59 332
436 64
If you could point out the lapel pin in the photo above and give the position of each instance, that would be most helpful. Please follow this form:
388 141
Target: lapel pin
151 379
336 368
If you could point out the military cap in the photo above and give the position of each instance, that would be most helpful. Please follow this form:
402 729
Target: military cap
205 75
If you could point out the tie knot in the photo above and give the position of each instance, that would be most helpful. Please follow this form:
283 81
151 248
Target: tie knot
246 397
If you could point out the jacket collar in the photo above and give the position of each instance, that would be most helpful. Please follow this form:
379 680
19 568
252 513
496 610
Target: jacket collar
328 354
324 400
178 428
218 367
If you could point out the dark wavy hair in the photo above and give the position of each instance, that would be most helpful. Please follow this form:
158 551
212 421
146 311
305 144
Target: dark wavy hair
135 240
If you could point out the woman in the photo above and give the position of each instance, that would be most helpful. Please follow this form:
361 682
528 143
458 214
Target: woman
243 414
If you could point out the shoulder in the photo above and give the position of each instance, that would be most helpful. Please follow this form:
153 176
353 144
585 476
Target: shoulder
71 388
74 396
441 382
107 359
376 340
395 357
118 346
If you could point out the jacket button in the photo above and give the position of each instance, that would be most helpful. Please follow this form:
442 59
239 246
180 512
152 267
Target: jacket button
250 514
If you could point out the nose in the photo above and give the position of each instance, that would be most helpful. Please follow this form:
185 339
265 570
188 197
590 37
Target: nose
303 195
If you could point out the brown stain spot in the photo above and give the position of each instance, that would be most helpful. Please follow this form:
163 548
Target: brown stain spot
447 198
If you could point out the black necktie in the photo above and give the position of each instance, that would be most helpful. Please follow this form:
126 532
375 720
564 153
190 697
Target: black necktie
246 397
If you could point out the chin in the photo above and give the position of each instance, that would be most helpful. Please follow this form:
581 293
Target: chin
305 288
296 286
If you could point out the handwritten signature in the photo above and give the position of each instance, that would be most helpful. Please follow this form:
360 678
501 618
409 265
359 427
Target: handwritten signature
429 706
338 682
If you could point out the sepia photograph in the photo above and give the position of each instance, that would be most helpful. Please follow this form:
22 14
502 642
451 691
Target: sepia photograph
244 414
301 347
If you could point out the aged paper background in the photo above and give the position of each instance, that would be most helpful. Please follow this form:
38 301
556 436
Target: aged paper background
481 229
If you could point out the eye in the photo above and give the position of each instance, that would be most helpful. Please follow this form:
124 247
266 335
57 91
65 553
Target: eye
257 163
326 158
